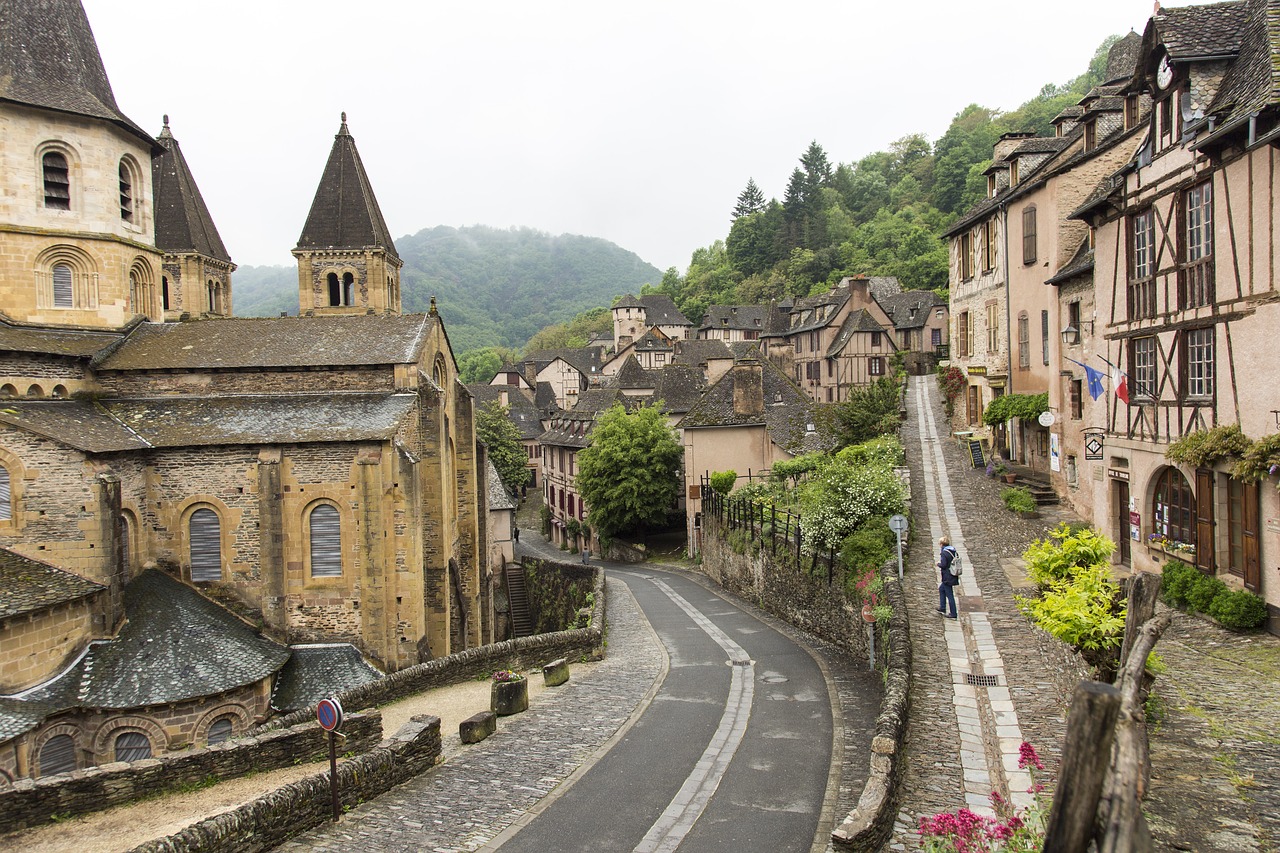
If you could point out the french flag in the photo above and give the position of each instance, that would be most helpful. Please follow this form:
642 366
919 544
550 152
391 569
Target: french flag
1120 381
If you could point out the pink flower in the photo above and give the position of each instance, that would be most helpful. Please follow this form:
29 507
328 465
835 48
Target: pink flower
1027 757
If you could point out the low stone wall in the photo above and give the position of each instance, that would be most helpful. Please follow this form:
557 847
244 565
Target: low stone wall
34 801
520 654
557 591
297 807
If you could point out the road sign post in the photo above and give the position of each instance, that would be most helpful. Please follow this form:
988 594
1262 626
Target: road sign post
329 715
898 524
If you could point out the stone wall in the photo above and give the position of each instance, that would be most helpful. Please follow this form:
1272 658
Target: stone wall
297 807
556 592
36 645
32 802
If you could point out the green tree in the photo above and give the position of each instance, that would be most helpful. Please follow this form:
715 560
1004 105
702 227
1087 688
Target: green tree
869 412
629 474
750 200
495 429
480 365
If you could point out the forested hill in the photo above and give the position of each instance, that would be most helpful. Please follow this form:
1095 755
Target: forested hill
494 287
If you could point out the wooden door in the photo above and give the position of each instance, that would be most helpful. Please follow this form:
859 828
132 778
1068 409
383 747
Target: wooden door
1122 521
1204 520
1252 563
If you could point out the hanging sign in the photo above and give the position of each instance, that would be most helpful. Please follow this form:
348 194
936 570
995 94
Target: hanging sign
1093 445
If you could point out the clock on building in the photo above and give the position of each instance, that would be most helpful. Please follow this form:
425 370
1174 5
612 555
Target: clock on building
1164 73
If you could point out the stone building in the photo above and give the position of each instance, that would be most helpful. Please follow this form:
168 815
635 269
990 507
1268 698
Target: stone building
1184 300
734 323
632 317
318 476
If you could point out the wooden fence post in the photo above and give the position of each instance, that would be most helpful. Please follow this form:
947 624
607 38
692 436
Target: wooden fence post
1086 753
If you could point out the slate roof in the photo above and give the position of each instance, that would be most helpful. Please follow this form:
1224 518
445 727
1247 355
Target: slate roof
1253 81
316 672
1192 32
183 223
30 585
680 386
49 59
911 310
499 497
1081 262
699 351
859 320
1072 112
628 301
653 341
744 349
746 317
521 411
545 398
176 645
586 360
132 424
17 337
883 286
265 342
345 212
632 375
787 410
1040 145
1122 59
659 310
573 429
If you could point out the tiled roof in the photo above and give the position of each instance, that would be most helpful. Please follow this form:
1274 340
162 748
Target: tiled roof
857 321
175 645
632 375
521 411
744 349
345 212
49 59
653 341
911 310
883 286
1081 262
977 213
16 337
586 360
127 424
1040 145
628 301
659 310
262 342
699 351
787 410
573 429
1190 32
1072 112
30 585
545 398
183 223
1123 58
735 317
1253 81
319 672
679 387
499 497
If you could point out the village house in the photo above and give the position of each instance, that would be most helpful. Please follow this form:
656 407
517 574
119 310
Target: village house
632 317
734 323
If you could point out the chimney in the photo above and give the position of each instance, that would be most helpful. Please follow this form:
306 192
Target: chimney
503 398
748 388
859 289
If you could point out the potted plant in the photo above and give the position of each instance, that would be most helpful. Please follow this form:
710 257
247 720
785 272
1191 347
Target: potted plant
509 693
1003 472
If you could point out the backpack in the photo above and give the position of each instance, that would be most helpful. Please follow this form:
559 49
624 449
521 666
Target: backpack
956 568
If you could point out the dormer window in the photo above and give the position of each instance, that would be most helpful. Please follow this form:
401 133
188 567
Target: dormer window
991 185
1013 173
1130 112
1090 134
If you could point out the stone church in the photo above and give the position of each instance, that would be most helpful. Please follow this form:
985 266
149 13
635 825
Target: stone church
184 494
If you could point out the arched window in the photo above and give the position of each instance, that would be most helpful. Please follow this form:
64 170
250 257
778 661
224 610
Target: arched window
57 181
132 746
6 495
220 730
348 289
58 755
60 391
7 390
164 291
213 297
35 391
126 542
205 536
63 292
1174 507
135 295
326 542
335 289
126 192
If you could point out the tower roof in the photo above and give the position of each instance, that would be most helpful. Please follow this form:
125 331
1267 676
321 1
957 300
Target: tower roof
345 212
183 223
49 60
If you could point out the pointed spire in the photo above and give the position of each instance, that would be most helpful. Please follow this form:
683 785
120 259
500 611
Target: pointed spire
433 312
49 60
345 212
183 223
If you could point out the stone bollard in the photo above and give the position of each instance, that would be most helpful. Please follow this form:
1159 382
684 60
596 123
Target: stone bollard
555 673
478 726
509 697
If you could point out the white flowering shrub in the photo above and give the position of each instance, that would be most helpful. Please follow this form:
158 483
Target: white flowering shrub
844 496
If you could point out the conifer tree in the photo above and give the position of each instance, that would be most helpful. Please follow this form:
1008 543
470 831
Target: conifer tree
750 200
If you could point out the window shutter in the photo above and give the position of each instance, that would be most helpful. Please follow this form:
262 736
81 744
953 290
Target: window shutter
205 533
1204 520
1044 334
132 746
1029 235
326 542
6 496
58 755
62 291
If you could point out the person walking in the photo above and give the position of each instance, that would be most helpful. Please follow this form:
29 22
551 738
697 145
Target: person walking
947 589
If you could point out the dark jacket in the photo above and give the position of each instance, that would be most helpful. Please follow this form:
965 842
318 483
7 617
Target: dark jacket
944 563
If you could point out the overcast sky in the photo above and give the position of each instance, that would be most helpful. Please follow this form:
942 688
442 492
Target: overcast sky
638 122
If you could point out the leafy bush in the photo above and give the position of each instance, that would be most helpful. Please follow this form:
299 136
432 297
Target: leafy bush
1204 447
1064 551
1204 589
1018 499
841 498
885 450
1239 610
869 547
794 469
1025 407
952 382
1261 459
1084 611
1176 583
870 411
724 481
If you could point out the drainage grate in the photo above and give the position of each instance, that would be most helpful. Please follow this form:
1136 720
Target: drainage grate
982 680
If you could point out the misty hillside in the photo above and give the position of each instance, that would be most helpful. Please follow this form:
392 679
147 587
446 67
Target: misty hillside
493 287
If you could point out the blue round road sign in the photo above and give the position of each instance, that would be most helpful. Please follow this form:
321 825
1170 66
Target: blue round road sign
329 713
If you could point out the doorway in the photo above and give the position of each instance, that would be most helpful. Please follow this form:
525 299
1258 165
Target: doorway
1122 521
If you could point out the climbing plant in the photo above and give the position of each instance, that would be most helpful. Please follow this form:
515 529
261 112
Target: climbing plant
1025 407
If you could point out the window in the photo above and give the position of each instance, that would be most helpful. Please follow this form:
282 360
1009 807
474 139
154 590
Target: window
1029 235
989 245
220 731
962 333
875 366
1174 508
1242 531
991 185
204 532
213 296
797 343
1130 111
1142 359
1013 173
1077 399
1166 119
335 289
126 192
875 340
1142 285
1044 336
831 367
348 289
6 495
57 181
58 755
164 292
993 327
1024 342
974 405
1197 355
1196 276
935 337
326 542
63 288
1090 134
966 256
132 746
